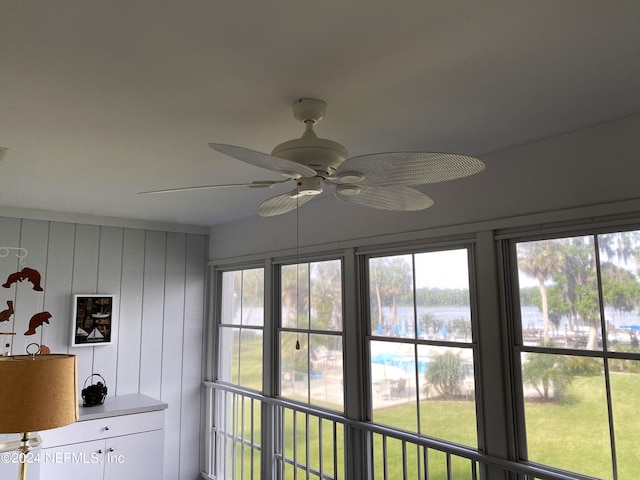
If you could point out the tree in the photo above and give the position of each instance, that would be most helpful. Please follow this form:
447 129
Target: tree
620 288
578 281
391 282
461 328
252 294
548 374
619 247
541 260
446 373
429 323
295 295
326 295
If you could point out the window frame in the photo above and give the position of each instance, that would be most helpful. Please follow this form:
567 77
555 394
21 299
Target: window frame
370 336
278 328
218 324
510 289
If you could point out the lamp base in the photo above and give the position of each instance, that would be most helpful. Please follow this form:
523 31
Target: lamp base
24 450
33 440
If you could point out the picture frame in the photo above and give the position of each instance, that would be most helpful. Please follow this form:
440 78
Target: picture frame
92 320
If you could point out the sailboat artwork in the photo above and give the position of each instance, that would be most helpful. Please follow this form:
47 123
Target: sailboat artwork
92 320
95 336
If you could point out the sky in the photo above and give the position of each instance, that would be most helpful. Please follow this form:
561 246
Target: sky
442 269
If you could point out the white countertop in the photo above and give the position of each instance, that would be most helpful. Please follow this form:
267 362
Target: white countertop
121 405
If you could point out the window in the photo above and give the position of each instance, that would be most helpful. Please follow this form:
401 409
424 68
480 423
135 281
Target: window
576 345
421 344
311 333
241 325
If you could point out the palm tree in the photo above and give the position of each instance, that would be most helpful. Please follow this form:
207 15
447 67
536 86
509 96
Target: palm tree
391 280
540 260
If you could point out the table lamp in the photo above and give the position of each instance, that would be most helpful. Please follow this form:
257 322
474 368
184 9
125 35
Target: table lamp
37 392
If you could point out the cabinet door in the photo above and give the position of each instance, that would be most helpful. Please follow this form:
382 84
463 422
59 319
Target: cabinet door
135 457
78 460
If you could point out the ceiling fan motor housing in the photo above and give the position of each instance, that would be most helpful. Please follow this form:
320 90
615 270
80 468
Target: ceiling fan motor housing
323 155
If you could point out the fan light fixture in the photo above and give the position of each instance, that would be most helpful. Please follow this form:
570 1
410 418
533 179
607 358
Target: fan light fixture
348 190
350 177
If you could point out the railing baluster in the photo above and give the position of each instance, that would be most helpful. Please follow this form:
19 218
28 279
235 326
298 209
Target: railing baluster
281 421
242 437
295 445
426 463
234 433
474 473
404 460
227 419
448 466
384 457
320 443
252 406
306 426
335 450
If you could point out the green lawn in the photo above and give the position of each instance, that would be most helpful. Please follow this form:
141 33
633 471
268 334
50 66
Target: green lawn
574 434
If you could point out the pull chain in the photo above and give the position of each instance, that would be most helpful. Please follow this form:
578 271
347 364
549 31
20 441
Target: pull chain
297 269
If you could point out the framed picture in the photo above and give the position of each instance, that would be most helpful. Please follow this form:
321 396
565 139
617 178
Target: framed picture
92 320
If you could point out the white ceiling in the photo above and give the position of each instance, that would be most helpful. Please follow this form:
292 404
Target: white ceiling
101 100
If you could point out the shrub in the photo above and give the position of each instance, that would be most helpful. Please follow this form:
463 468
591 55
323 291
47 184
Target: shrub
446 373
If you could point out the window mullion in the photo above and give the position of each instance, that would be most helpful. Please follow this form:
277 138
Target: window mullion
268 430
359 463
495 414
605 348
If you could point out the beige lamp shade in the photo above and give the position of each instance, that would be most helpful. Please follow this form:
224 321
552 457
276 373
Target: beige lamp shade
37 392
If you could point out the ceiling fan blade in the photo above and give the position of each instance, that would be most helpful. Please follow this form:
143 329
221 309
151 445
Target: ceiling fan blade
256 184
282 204
397 198
285 167
410 168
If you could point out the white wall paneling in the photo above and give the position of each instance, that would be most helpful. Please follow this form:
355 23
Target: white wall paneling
9 237
57 288
158 279
172 347
130 315
152 314
192 356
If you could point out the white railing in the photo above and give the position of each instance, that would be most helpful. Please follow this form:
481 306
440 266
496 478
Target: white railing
312 444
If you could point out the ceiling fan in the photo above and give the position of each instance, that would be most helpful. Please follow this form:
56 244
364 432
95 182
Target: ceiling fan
378 180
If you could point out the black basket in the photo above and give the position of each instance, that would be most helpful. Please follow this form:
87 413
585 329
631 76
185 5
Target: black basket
94 394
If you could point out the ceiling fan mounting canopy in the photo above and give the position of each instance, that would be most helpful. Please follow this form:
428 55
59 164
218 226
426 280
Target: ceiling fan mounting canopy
309 110
379 180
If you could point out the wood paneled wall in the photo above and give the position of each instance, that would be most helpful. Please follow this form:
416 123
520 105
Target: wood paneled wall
158 279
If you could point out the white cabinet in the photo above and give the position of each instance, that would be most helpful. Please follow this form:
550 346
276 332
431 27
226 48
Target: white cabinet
117 447
77 460
134 456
